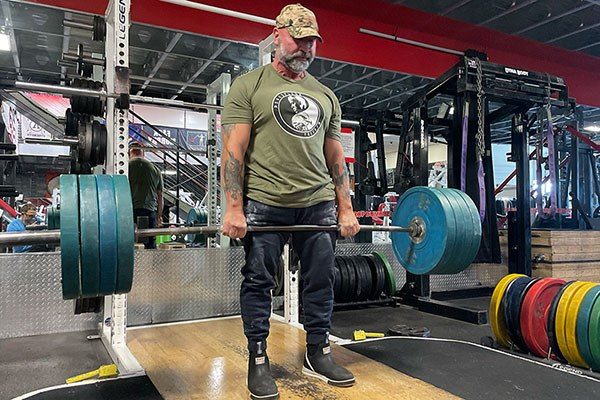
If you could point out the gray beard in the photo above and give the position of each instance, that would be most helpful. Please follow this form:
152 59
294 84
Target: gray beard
293 64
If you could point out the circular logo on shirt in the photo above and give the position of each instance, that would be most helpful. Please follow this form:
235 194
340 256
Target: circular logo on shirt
298 114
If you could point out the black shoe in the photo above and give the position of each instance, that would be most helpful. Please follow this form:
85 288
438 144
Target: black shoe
260 381
318 362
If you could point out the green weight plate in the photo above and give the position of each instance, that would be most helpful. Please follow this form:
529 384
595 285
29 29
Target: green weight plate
69 236
90 231
108 234
583 324
472 239
594 335
125 233
456 244
390 279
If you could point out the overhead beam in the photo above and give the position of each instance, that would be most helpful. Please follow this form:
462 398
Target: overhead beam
455 7
200 70
554 18
511 10
587 28
172 43
394 82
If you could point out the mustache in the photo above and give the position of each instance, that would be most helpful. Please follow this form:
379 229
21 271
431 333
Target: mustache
304 54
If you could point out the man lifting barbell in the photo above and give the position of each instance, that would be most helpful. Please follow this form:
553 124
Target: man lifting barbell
283 164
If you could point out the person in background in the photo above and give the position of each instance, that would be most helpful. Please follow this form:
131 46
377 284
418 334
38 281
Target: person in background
19 224
146 185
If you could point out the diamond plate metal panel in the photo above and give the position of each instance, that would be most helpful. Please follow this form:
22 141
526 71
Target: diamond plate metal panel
31 297
177 285
485 275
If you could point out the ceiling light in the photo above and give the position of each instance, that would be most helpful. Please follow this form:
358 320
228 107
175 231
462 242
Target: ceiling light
4 42
592 128
169 172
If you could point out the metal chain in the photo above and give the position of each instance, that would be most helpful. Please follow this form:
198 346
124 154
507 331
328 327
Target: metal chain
480 138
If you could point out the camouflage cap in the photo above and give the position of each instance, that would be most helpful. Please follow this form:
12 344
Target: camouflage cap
299 21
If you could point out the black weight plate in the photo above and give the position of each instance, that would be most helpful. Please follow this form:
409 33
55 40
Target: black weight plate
337 281
551 324
356 287
374 295
380 272
368 279
344 285
360 280
512 306
71 123
353 280
518 332
103 144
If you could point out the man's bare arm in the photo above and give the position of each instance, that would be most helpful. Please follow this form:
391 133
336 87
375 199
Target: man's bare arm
236 138
235 142
334 157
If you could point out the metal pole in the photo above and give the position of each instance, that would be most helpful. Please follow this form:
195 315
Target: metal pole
42 87
74 24
174 103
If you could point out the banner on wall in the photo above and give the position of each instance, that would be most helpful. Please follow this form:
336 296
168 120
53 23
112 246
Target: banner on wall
348 144
31 130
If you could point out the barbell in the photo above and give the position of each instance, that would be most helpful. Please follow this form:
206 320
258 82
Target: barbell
433 231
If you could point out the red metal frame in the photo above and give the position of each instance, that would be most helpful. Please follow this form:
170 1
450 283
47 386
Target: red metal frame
340 20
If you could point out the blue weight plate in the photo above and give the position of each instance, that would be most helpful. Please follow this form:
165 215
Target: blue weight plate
90 249
430 253
461 229
108 234
69 237
125 234
583 323
512 309
471 241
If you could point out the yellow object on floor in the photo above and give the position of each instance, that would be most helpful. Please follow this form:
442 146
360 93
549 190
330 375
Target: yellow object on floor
105 371
362 335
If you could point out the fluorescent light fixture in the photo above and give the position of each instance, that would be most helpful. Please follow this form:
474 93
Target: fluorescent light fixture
169 172
451 112
4 42
592 128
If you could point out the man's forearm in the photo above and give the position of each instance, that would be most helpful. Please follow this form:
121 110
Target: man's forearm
341 180
336 163
232 170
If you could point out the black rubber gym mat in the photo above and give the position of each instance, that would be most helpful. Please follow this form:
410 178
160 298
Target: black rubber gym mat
474 372
138 387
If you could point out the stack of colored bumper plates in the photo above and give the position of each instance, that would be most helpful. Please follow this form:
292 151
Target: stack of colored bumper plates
548 317
452 231
96 241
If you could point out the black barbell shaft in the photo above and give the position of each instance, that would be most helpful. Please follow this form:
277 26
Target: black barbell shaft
53 236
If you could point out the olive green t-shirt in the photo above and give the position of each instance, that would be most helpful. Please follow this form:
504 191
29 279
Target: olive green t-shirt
285 161
144 179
